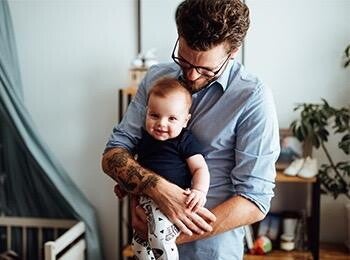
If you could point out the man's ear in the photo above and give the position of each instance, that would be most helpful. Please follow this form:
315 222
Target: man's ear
234 53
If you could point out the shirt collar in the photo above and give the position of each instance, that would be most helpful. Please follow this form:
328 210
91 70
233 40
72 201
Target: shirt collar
223 79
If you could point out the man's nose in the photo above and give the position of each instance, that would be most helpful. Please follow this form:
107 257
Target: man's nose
192 74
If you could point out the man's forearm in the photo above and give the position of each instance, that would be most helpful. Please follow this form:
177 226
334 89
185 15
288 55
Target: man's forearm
120 165
234 212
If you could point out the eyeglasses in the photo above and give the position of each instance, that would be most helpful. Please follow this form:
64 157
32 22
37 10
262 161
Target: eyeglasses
185 65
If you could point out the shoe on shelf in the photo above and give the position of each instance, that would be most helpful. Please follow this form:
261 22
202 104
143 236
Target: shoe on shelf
309 168
294 167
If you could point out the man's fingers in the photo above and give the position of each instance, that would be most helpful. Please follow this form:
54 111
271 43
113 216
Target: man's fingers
178 223
141 214
139 221
200 222
206 215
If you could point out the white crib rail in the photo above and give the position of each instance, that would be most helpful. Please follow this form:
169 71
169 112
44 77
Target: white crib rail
76 252
39 224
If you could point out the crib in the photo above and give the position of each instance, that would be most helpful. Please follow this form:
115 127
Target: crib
67 238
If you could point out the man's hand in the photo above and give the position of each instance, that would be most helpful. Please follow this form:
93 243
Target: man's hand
171 200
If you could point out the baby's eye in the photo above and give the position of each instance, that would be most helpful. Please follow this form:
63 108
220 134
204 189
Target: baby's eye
153 115
172 118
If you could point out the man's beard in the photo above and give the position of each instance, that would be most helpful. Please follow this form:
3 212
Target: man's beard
193 88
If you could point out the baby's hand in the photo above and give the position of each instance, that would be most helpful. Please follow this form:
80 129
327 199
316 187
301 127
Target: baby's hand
119 191
196 199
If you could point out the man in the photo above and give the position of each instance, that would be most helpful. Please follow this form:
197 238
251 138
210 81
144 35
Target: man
233 116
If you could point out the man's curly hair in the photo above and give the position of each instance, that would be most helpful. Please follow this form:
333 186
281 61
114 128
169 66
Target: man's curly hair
206 23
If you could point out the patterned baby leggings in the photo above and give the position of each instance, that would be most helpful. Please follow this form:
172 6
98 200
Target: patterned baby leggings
161 235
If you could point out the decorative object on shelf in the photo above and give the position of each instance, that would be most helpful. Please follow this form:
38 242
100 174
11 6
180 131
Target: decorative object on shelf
145 60
294 167
287 242
140 65
291 149
288 234
262 245
270 226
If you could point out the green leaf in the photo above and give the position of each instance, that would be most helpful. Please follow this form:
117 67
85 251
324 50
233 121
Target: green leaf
344 144
299 134
347 51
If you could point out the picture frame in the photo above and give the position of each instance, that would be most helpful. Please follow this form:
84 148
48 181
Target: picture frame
291 149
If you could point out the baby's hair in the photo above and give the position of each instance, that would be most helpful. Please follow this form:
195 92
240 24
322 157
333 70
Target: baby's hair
165 86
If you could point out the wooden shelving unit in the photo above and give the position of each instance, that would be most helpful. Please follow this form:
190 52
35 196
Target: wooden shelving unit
293 179
314 245
281 255
328 251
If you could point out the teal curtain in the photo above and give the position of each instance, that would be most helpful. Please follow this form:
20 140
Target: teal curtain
32 182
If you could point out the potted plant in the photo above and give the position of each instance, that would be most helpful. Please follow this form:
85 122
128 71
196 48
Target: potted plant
313 127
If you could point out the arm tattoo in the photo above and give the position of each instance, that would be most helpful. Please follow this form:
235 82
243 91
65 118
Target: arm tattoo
150 182
133 171
117 160
133 178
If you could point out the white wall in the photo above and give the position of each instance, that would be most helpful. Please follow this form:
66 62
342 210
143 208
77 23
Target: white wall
158 27
296 47
74 55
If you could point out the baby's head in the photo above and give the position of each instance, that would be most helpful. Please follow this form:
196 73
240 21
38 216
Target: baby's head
168 109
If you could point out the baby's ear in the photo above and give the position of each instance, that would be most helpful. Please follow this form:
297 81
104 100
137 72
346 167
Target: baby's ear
187 119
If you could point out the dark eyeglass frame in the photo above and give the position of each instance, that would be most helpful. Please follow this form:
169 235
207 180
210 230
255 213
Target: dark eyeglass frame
210 74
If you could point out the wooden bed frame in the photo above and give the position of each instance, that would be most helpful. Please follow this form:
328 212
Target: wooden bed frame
70 245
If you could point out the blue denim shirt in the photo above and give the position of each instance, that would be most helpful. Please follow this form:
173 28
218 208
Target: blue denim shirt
235 120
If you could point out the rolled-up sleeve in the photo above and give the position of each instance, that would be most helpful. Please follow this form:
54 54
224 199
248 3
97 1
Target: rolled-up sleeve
257 149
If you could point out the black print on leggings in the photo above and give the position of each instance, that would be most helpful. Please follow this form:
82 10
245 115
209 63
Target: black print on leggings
157 252
171 232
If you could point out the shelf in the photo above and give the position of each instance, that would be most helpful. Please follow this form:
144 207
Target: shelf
281 255
284 178
331 251
131 90
328 251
